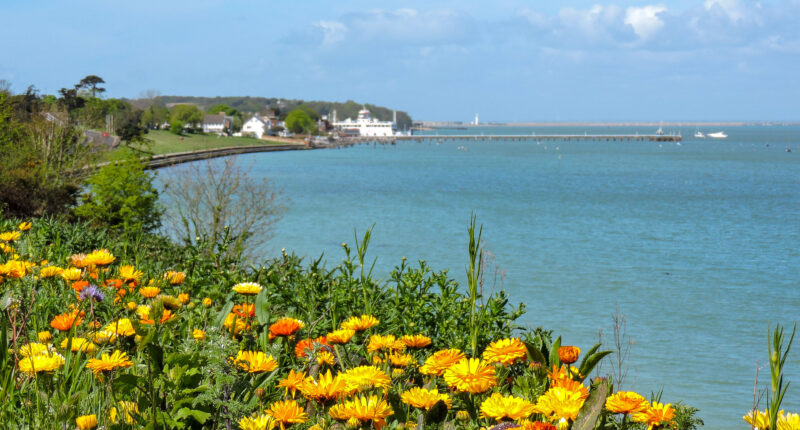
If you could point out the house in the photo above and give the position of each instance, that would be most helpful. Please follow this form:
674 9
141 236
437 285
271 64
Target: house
220 124
257 125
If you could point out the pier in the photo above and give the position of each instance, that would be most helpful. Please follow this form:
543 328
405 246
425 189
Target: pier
518 138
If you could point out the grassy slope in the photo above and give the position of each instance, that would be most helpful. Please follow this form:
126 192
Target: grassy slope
165 142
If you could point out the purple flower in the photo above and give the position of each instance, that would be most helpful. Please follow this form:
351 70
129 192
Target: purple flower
92 292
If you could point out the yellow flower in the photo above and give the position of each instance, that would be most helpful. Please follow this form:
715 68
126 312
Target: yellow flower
6 249
121 327
44 336
50 271
568 354
24 226
183 298
78 260
325 357
505 351
360 323
292 382
789 421
149 292
401 360
132 306
72 274
366 376
758 419
626 402
129 409
340 336
247 288
560 403
10 236
258 422
389 343
656 415
502 407
255 361
207 302
86 422
129 273
437 363
80 344
107 363
422 398
471 375
175 278
241 324
41 363
34 348
287 412
198 334
14 269
100 257
326 388
364 409
416 341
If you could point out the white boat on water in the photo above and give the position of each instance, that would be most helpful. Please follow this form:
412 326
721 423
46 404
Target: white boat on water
699 134
718 135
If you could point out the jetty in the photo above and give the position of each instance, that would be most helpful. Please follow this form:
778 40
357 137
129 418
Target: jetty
517 138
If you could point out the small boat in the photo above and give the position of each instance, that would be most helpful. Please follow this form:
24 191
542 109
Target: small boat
699 134
717 135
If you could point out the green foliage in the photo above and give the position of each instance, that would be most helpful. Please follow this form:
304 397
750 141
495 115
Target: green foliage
188 114
685 417
298 121
176 127
777 358
121 195
154 116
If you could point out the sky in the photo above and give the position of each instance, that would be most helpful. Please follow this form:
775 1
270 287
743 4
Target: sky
507 60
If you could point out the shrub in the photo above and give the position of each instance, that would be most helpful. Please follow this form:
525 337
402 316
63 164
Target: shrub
176 127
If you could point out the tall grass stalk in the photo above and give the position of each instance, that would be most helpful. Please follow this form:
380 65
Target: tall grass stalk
777 357
473 276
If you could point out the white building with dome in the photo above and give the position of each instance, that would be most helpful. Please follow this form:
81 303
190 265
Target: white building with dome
366 125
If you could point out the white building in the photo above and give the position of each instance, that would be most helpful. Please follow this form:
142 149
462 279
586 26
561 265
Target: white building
257 125
218 124
366 125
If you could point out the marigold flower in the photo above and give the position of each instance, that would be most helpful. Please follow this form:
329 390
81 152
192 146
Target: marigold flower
292 382
198 334
175 278
571 385
166 315
129 409
626 402
422 398
132 306
244 310
502 407
287 412
657 414
44 336
559 403
327 387
79 344
78 286
757 419
364 409
568 354
788 422
66 321
325 357
5 248
437 363
183 298
72 274
505 351
388 343
308 344
108 363
149 292
50 271
366 376
14 269
207 302
340 336
285 327
34 348
247 288
100 257
113 283
258 422
255 361
78 260
232 318
86 422
24 226
121 327
41 363
416 341
10 236
470 375
360 323
129 273
401 360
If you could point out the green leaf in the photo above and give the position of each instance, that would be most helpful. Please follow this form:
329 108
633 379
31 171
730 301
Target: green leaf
223 313
534 354
437 413
554 352
199 416
126 383
262 308
590 361
592 408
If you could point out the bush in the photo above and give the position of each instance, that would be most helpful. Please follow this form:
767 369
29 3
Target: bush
176 127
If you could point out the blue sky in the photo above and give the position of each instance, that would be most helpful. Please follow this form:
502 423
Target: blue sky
440 60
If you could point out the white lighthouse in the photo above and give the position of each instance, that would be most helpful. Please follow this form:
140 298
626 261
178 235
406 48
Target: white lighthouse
476 120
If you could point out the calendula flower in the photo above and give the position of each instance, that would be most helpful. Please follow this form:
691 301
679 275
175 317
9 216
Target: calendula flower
292 382
66 321
387 343
325 357
132 306
79 344
41 363
78 286
170 302
255 361
71 274
198 334
108 363
183 298
503 408
360 323
247 288
34 348
568 354
24 226
470 375
50 271
656 415
285 327
367 376
129 273
44 336
10 236
365 410
626 402
559 403
401 360
340 336
305 345
78 260
149 292
86 422
100 257
757 419
14 269
571 385
166 315
113 283
6 248
258 422
207 302
244 310
121 327
129 410
505 351
416 341
789 421
422 398
441 361
232 319
327 387
175 278
287 413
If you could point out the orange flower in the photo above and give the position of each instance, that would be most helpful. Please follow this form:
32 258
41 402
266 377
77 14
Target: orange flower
471 375
340 336
285 327
244 310
66 321
149 292
416 341
114 283
360 323
184 298
165 316
107 363
292 382
287 412
79 261
79 285
505 351
657 414
175 278
300 350
626 402
441 361
389 343
568 354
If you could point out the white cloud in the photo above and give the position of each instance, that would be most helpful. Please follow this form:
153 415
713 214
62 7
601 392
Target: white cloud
593 23
732 8
333 32
645 20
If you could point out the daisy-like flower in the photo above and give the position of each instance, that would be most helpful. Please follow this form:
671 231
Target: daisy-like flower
41 363
656 415
559 403
340 336
65 321
244 310
626 402
24 226
255 361
232 319
422 398
360 323
50 272
121 327
183 298
175 278
324 389
10 236
207 302
305 345
401 360
569 354
6 249
108 363
166 315
367 376
285 327
100 257
387 343
44 336
257 422
471 375
129 273
71 274
14 269
34 348
503 408
287 413
365 410
129 410
79 344
198 334
757 419
416 341
437 363
86 422
149 292
78 260
292 382
789 421
325 357
247 288
571 385
505 351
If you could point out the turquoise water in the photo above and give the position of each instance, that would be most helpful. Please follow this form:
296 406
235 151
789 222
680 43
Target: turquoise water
697 244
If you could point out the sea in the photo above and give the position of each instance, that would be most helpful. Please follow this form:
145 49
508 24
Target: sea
695 244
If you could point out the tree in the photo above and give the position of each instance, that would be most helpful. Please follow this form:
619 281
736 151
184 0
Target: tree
129 129
90 83
298 121
188 114
70 100
176 127
154 116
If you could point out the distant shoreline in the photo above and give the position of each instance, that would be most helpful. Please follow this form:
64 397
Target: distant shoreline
440 124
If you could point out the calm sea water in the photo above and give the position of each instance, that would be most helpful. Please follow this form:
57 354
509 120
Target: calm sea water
696 244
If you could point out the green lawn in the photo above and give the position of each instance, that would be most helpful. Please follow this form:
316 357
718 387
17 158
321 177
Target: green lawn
165 142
